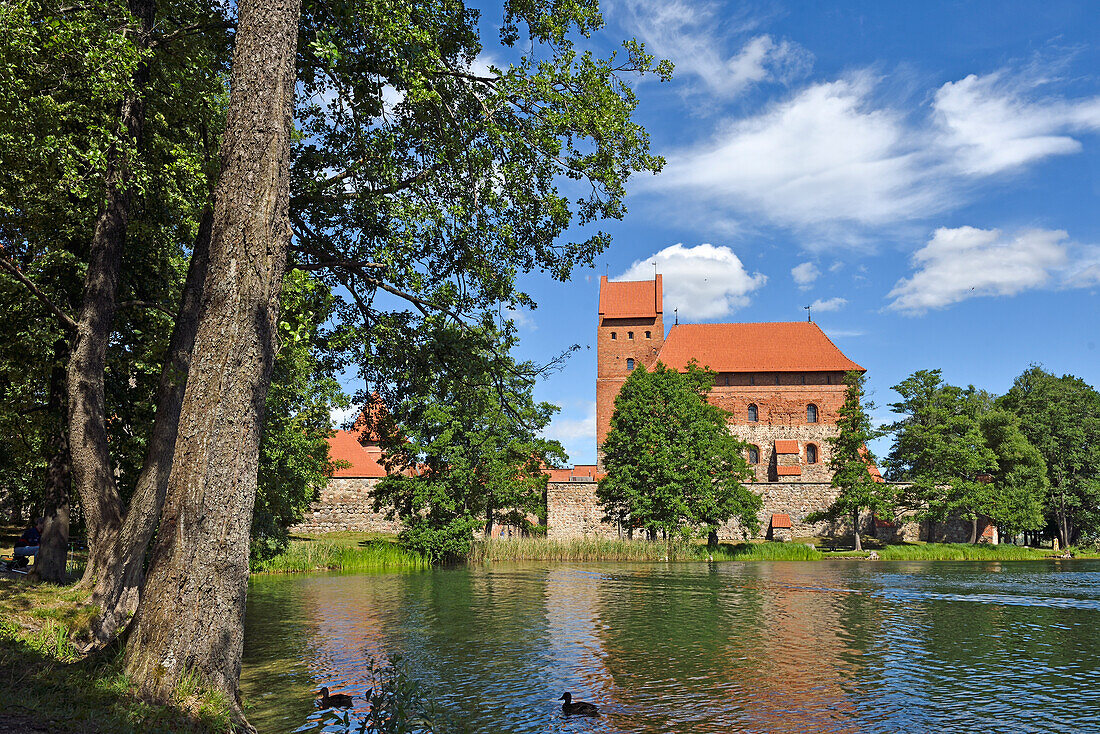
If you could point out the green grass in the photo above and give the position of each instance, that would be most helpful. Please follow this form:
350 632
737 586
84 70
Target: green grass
49 685
952 552
342 552
604 549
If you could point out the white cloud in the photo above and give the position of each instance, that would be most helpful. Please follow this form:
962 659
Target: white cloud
702 282
991 127
695 36
341 417
805 274
965 262
825 155
831 304
1086 272
521 318
577 435
835 158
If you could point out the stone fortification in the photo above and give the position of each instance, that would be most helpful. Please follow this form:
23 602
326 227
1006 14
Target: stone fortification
345 503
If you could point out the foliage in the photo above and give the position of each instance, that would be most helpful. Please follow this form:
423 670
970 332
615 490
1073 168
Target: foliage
940 448
1060 416
467 455
672 465
294 462
1020 479
593 548
849 458
436 166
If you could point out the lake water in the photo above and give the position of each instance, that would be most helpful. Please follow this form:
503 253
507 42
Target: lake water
831 646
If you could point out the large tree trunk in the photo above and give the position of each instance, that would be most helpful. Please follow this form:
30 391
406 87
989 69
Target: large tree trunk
91 463
191 616
117 589
855 530
974 530
53 550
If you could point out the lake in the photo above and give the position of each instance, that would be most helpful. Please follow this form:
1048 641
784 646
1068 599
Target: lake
830 646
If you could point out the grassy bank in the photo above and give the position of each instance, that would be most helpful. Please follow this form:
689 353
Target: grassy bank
345 551
47 685
951 552
350 551
600 549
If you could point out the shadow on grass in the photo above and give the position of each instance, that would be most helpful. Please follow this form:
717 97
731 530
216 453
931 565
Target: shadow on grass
46 685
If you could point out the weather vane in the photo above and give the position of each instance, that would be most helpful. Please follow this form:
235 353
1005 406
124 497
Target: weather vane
807 313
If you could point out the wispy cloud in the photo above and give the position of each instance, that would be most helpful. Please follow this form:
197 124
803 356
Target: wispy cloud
577 433
966 262
697 36
830 304
835 156
702 282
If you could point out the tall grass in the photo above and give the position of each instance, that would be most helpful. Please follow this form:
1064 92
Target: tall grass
341 554
960 552
605 549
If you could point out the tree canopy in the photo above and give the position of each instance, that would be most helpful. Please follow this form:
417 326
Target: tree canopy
672 465
850 459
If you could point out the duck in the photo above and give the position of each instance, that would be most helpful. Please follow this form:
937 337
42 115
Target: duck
579 707
335 701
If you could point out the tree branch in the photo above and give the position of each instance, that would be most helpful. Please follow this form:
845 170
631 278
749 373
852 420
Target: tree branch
146 304
66 320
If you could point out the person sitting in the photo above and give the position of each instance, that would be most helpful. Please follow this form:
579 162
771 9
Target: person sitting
27 545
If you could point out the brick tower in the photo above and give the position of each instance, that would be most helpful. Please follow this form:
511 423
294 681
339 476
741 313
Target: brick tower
631 332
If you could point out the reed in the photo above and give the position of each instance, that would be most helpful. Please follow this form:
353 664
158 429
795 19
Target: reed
347 553
605 549
960 552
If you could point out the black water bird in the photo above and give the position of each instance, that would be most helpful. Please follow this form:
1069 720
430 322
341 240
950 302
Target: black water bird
579 707
335 701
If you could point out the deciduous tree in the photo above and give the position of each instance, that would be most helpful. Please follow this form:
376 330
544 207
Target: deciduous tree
672 465
850 459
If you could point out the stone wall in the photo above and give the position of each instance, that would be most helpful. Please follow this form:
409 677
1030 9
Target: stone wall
574 512
345 504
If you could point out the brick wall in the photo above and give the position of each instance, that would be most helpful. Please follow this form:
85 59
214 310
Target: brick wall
345 504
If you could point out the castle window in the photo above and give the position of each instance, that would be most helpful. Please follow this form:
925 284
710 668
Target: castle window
726 380
649 335
754 455
752 379
614 335
753 414
828 379
630 335
811 454
629 364
777 379
811 413
803 379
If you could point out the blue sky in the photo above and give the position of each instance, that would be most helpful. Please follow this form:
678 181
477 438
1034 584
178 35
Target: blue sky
927 174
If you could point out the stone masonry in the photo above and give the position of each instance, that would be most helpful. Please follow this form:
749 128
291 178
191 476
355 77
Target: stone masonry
345 504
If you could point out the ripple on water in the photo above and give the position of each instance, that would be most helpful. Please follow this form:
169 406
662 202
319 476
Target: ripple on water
828 646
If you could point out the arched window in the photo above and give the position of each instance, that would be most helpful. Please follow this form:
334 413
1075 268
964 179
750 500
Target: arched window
630 335
649 335
629 364
811 413
614 335
754 414
811 454
754 455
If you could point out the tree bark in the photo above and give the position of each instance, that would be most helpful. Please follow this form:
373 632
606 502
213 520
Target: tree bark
712 540
118 587
190 618
974 530
855 530
91 464
53 550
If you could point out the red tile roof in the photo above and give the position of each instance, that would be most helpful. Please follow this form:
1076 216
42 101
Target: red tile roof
795 346
788 471
781 521
786 446
630 299
344 445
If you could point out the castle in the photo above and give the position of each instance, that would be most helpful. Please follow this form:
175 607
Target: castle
782 384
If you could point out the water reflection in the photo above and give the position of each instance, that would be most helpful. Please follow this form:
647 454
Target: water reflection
768 647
